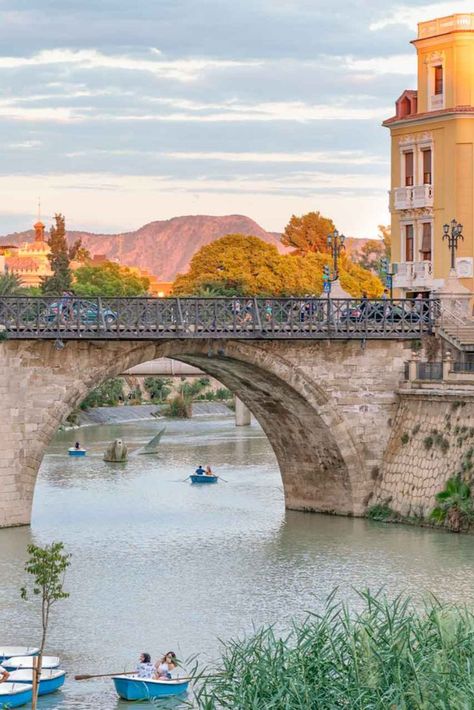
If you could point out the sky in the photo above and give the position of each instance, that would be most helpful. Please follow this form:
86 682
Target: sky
117 113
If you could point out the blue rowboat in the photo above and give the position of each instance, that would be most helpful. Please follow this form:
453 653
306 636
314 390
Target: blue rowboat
50 681
202 478
76 452
14 695
10 651
20 662
134 688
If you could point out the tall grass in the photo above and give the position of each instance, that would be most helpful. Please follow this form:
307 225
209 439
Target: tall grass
389 656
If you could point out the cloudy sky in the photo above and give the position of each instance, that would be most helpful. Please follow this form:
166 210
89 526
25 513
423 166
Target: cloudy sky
118 112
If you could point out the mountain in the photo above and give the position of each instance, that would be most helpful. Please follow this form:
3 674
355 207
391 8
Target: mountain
165 247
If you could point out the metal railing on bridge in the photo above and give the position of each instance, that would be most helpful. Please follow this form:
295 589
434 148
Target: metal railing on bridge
270 318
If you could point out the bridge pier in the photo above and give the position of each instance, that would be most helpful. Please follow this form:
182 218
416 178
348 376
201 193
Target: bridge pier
325 407
243 416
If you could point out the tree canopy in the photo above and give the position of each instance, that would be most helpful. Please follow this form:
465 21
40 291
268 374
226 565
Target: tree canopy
109 279
308 234
60 259
247 266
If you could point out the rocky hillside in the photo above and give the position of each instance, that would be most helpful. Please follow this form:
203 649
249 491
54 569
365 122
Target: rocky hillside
164 247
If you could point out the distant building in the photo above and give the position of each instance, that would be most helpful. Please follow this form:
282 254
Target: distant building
432 174
30 261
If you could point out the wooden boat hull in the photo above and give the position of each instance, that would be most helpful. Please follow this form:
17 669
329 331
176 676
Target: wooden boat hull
202 478
10 651
77 452
14 695
51 679
132 688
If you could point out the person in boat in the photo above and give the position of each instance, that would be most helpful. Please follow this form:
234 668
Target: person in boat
165 667
209 471
145 668
4 674
77 446
200 471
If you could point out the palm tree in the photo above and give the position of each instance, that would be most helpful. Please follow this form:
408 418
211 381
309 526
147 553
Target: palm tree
10 284
455 507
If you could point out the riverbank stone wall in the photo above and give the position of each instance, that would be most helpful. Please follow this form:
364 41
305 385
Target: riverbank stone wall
432 438
325 407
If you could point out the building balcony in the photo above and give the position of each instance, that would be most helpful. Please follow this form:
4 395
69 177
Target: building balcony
413 275
408 198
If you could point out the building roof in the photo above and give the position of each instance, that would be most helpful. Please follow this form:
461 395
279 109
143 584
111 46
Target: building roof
429 114
22 263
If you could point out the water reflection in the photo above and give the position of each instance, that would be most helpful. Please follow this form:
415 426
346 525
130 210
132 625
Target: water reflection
159 564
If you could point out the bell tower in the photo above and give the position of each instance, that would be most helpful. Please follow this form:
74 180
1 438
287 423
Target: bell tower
39 226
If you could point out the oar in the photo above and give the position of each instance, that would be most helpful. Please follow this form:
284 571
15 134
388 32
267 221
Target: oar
222 479
86 676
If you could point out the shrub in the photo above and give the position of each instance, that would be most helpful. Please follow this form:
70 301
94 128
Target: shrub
223 393
178 407
108 394
416 429
455 507
405 438
387 654
381 511
158 388
428 442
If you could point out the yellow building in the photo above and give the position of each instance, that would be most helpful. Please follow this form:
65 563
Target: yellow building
432 158
30 261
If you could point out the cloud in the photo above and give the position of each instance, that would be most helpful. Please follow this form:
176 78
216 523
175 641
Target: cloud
184 70
410 15
25 145
343 157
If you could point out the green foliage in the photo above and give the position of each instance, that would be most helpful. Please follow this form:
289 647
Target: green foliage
455 507
416 429
384 655
108 394
135 395
381 512
179 407
223 394
405 438
109 279
158 388
10 284
428 442
60 259
47 567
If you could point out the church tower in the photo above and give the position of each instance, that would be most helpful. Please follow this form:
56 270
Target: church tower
432 159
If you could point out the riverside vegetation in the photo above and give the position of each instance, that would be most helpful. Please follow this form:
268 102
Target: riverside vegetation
388 656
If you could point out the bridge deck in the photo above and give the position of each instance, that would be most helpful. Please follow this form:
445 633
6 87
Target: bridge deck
71 318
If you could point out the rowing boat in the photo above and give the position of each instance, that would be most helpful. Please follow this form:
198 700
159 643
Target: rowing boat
203 478
51 679
10 651
134 688
17 662
14 695
76 452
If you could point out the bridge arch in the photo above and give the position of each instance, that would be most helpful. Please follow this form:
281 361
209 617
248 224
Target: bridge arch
322 453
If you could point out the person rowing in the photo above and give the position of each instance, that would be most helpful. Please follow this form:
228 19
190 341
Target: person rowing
4 674
166 666
200 471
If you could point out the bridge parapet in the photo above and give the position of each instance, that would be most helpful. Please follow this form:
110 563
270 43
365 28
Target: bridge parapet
74 318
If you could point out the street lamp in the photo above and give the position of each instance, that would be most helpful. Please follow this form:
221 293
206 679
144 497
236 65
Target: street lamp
335 242
453 232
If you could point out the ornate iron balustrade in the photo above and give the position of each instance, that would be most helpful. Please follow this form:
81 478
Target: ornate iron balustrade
155 318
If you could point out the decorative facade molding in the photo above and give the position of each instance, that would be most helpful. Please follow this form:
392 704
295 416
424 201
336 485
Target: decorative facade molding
435 57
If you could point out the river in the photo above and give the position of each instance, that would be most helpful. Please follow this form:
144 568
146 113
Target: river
158 564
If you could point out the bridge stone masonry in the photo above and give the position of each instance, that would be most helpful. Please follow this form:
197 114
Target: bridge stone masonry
325 405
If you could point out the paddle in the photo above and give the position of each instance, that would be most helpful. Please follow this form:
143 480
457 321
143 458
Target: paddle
222 479
86 676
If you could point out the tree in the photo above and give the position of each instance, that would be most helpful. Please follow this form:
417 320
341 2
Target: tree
158 388
246 266
10 284
108 394
47 567
308 234
376 249
60 259
109 279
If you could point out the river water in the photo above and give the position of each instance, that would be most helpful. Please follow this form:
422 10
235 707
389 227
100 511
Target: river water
158 564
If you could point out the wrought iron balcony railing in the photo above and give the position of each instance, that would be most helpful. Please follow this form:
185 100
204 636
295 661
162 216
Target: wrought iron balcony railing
156 318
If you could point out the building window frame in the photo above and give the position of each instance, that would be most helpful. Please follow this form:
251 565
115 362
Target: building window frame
421 223
404 239
435 64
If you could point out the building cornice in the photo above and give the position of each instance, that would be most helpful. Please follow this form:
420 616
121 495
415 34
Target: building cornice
445 113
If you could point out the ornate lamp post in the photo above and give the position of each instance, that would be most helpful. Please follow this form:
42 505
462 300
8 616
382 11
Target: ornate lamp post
335 242
453 232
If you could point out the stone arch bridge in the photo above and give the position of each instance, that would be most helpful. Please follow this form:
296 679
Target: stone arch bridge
324 398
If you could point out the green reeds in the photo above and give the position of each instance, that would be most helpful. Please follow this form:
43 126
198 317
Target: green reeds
389 656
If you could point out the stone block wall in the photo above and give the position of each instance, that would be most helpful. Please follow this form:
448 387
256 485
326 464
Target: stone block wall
432 437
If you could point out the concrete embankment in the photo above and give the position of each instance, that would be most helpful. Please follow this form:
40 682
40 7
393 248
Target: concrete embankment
117 415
